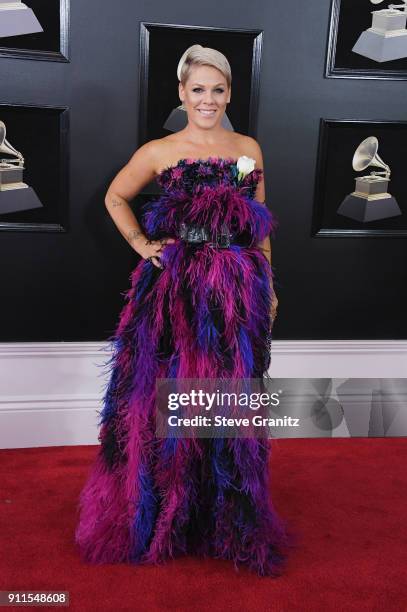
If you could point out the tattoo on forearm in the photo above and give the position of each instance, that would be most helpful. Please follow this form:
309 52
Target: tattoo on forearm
134 235
116 203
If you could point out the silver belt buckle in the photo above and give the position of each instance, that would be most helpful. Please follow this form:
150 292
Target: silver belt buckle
222 238
192 233
198 233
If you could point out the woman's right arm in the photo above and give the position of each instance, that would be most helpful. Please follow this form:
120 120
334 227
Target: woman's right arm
138 172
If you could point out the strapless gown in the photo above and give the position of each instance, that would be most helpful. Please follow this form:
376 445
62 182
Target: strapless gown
206 314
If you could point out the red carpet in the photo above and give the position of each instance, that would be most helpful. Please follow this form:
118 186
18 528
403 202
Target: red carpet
346 497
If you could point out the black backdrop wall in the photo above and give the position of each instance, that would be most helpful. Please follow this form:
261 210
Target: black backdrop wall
69 286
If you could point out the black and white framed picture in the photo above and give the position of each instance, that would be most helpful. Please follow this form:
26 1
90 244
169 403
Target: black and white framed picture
367 39
161 47
360 187
34 160
35 29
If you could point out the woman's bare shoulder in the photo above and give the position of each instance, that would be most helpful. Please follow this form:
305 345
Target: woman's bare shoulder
250 146
155 153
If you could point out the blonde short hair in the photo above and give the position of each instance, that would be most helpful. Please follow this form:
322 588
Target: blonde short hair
197 55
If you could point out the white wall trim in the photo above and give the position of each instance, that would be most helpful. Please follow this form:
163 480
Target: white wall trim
50 391
340 346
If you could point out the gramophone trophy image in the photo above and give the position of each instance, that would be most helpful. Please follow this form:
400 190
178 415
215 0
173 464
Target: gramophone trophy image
14 194
370 200
16 18
386 39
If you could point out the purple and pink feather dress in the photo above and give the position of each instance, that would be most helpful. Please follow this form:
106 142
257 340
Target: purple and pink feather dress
206 314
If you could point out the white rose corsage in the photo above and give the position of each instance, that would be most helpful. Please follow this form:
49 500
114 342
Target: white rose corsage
245 165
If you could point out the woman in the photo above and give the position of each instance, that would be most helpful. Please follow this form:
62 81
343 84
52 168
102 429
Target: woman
201 305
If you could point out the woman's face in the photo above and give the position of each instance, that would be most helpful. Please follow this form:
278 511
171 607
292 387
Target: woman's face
205 90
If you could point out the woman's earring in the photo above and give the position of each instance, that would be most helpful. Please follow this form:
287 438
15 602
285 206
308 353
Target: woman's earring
182 107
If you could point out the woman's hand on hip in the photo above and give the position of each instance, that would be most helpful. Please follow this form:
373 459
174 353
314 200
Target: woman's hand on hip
274 306
152 250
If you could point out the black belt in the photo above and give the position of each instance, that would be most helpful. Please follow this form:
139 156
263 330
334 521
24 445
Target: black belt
197 234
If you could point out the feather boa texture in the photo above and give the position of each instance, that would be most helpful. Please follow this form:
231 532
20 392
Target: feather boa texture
206 314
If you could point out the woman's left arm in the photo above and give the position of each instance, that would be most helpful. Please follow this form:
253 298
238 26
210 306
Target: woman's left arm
260 196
